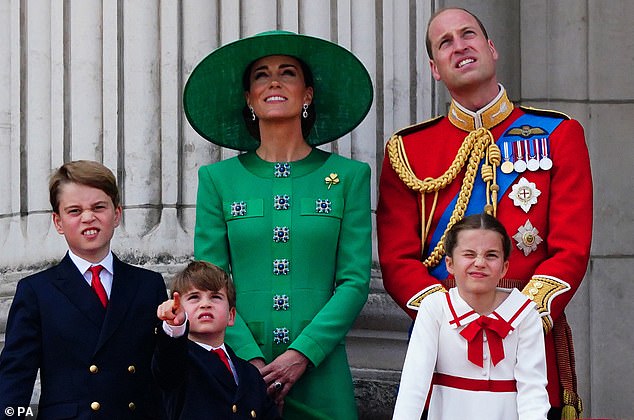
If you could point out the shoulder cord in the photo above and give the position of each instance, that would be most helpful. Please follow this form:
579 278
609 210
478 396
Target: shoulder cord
477 145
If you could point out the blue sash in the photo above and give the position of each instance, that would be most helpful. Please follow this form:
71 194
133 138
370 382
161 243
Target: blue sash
478 196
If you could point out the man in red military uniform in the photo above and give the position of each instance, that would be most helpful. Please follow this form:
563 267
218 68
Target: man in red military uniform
527 167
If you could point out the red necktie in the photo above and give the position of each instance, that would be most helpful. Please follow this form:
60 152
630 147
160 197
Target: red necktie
97 286
496 330
223 356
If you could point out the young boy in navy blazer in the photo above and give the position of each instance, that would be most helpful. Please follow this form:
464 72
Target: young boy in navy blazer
201 377
87 323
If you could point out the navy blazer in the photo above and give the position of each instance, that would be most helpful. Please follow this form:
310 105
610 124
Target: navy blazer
197 385
94 362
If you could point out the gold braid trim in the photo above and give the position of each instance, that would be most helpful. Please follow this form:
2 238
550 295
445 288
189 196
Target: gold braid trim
489 175
542 290
477 145
572 406
415 301
565 356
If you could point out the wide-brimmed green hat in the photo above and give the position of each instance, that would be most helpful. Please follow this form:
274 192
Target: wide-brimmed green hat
214 95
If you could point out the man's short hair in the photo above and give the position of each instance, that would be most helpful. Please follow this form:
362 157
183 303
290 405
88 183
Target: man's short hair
444 9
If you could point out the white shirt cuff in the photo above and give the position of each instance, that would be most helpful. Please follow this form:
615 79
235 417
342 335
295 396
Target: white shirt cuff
175 331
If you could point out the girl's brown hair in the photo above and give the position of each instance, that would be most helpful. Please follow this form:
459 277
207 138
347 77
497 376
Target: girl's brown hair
477 221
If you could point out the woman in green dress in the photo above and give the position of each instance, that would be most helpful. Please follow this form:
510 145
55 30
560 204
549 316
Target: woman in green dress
290 222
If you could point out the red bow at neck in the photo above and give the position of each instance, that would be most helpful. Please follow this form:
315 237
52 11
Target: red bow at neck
496 330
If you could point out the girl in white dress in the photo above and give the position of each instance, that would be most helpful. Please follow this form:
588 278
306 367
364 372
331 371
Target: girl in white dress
478 347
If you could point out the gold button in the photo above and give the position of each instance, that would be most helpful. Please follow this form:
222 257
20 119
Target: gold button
94 369
131 369
132 406
234 408
253 414
95 406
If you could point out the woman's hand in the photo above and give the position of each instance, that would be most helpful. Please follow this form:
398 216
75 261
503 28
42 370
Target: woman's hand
281 374
258 363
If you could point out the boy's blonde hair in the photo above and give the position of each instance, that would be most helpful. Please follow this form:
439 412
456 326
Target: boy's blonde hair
83 172
203 275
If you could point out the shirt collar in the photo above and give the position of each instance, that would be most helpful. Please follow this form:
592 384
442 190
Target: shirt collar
209 348
488 116
83 265
510 309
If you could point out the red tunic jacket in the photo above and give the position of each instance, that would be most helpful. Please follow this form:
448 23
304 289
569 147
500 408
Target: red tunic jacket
562 217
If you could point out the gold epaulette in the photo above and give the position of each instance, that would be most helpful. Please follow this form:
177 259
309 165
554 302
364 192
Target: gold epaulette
545 112
417 127
542 290
414 302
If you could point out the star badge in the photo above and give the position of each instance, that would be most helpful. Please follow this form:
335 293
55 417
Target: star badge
524 194
527 238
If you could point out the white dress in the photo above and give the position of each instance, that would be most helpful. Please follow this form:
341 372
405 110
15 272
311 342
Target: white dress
437 347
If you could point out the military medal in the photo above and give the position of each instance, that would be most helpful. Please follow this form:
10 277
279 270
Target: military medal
507 165
524 194
533 163
527 238
519 165
545 162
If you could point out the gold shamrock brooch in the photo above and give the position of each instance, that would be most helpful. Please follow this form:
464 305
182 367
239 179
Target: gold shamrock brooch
332 179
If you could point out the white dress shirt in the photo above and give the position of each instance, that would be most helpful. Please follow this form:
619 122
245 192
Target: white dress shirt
106 275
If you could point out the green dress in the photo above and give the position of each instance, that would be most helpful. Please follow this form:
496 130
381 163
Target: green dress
296 238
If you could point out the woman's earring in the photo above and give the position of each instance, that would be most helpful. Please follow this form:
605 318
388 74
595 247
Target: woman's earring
252 113
305 113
